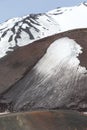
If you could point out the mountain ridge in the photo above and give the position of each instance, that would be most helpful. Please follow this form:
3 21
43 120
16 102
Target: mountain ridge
24 30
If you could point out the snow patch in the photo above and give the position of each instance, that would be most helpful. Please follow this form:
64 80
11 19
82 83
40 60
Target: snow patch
85 113
4 113
61 52
70 17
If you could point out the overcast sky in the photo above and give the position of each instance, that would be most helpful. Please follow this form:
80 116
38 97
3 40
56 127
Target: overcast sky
14 8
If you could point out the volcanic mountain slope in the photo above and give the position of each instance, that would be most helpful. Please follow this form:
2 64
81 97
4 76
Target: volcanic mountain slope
24 30
49 73
56 79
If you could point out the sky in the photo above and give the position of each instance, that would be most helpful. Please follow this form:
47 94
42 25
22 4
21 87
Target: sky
18 8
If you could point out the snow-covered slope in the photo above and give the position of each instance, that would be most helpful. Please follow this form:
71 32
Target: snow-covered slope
62 51
58 80
22 31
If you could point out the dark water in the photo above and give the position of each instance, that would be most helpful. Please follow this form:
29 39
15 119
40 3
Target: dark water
46 120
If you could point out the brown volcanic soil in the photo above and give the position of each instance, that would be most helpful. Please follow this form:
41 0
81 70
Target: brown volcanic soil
17 63
47 120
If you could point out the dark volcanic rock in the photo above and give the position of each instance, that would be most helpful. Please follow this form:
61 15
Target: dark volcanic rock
66 88
49 120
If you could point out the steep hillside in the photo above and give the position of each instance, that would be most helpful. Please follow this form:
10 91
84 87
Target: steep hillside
55 74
